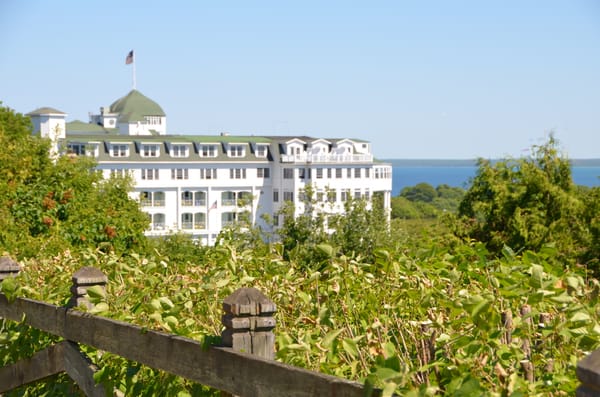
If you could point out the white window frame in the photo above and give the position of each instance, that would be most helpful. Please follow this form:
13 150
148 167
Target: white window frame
208 150
179 173
150 150
119 150
261 150
236 151
179 150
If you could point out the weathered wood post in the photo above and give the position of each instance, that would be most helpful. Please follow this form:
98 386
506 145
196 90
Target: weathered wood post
8 268
76 363
249 323
588 373
83 279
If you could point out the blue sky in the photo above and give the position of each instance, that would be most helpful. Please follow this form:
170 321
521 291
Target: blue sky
419 79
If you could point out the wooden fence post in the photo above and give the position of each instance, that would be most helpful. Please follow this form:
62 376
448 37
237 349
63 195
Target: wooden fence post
249 323
76 364
588 373
83 279
8 268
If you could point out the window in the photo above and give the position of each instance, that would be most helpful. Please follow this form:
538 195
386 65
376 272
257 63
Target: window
208 173
345 195
288 173
319 173
179 150
187 198
187 220
262 172
208 151
152 199
275 196
236 151
237 173
367 194
119 150
158 221
76 148
349 173
332 196
243 199
301 173
288 196
150 151
367 173
179 173
199 199
338 173
152 120
357 194
261 150
320 196
228 218
357 172
228 198
302 196
150 174
275 219
199 220
328 173
119 172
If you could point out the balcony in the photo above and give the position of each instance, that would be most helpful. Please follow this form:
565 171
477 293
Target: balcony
327 158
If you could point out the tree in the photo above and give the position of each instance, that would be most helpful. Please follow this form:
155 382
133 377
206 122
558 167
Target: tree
420 192
525 203
50 206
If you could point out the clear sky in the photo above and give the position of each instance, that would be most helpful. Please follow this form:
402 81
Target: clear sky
419 79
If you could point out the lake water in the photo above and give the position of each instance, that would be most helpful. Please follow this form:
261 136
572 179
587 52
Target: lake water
410 175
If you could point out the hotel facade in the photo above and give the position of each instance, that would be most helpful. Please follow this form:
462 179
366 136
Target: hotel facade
200 184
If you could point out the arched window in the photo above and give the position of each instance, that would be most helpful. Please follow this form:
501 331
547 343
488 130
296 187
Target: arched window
187 221
187 198
199 220
200 199
228 198
158 222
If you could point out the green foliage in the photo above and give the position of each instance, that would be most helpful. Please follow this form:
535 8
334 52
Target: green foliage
422 201
417 322
420 192
527 203
47 206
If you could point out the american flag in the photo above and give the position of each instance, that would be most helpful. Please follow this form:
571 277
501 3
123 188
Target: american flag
214 206
129 58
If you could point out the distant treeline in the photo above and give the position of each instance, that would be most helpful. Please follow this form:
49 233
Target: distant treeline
470 163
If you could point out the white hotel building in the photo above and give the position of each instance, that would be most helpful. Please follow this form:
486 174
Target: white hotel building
198 184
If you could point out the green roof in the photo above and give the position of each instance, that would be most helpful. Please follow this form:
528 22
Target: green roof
134 106
80 127
44 110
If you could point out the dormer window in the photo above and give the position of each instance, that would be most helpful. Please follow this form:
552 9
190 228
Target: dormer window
208 151
153 120
150 151
179 150
236 151
261 150
119 150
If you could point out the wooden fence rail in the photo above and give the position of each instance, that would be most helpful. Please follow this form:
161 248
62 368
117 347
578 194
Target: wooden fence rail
248 321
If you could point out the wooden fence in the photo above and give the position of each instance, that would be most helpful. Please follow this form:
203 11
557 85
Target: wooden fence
243 366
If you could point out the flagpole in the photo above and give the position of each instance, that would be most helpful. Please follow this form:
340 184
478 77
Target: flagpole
133 71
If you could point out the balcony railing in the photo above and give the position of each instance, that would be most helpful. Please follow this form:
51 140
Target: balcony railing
200 202
187 225
327 158
227 201
187 202
200 225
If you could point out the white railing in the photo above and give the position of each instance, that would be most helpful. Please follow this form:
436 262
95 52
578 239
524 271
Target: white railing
326 158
